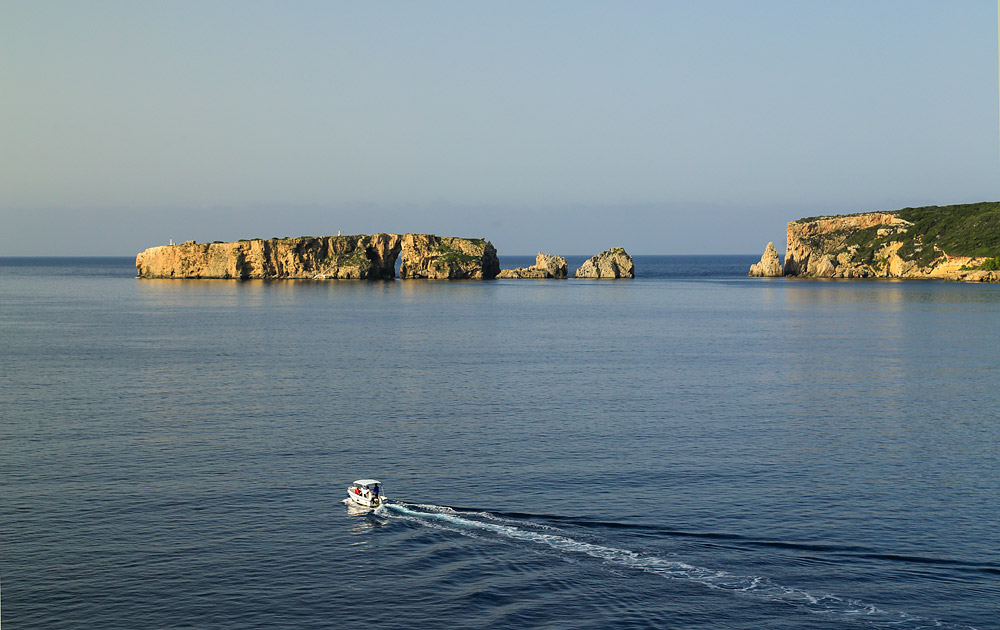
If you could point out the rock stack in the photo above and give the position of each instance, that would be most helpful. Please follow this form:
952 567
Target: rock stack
769 265
613 263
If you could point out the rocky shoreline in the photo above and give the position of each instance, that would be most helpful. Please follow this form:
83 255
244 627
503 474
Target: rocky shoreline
361 257
871 245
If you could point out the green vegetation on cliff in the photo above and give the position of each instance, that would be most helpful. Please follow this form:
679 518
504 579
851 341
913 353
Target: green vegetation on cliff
354 258
971 230
990 264
452 255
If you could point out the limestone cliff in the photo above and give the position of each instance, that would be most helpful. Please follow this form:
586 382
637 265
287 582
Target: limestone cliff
545 267
344 257
613 263
448 257
812 246
951 243
356 257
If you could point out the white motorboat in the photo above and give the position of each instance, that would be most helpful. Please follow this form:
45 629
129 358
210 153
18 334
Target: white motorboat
366 493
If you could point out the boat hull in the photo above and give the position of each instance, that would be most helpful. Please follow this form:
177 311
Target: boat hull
371 503
364 499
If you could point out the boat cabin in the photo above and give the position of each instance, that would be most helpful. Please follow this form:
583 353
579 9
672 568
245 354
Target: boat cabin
367 492
372 485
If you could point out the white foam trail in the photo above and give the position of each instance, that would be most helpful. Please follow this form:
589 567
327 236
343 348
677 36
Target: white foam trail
753 585
428 508
503 519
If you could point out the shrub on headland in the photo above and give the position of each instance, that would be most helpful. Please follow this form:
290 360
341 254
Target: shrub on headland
971 229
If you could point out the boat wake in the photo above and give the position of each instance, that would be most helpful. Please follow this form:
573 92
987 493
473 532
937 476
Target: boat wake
480 524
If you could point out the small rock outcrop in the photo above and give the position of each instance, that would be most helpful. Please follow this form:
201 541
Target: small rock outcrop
769 265
447 257
613 263
545 267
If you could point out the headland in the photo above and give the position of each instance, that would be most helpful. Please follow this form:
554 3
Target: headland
957 242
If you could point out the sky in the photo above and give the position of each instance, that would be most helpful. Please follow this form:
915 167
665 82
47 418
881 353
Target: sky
683 127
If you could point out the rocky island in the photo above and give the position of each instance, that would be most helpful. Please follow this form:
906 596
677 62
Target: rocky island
361 257
545 267
959 242
613 263
371 257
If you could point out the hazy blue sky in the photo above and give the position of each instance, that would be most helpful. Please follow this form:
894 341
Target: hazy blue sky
665 127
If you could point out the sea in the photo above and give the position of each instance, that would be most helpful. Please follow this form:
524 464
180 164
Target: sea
689 449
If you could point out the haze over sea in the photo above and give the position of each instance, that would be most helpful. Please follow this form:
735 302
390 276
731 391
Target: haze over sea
689 449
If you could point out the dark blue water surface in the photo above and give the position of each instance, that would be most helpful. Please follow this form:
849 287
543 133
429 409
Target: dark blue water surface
689 449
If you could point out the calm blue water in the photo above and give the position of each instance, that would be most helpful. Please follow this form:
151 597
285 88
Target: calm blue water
691 449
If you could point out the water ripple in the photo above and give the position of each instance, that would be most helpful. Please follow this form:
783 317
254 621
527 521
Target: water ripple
478 524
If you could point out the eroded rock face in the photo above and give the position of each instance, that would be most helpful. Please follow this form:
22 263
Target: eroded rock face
343 257
361 257
826 268
769 265
545 267
613 263
447 257
809 241
555 266
522 273
870 246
